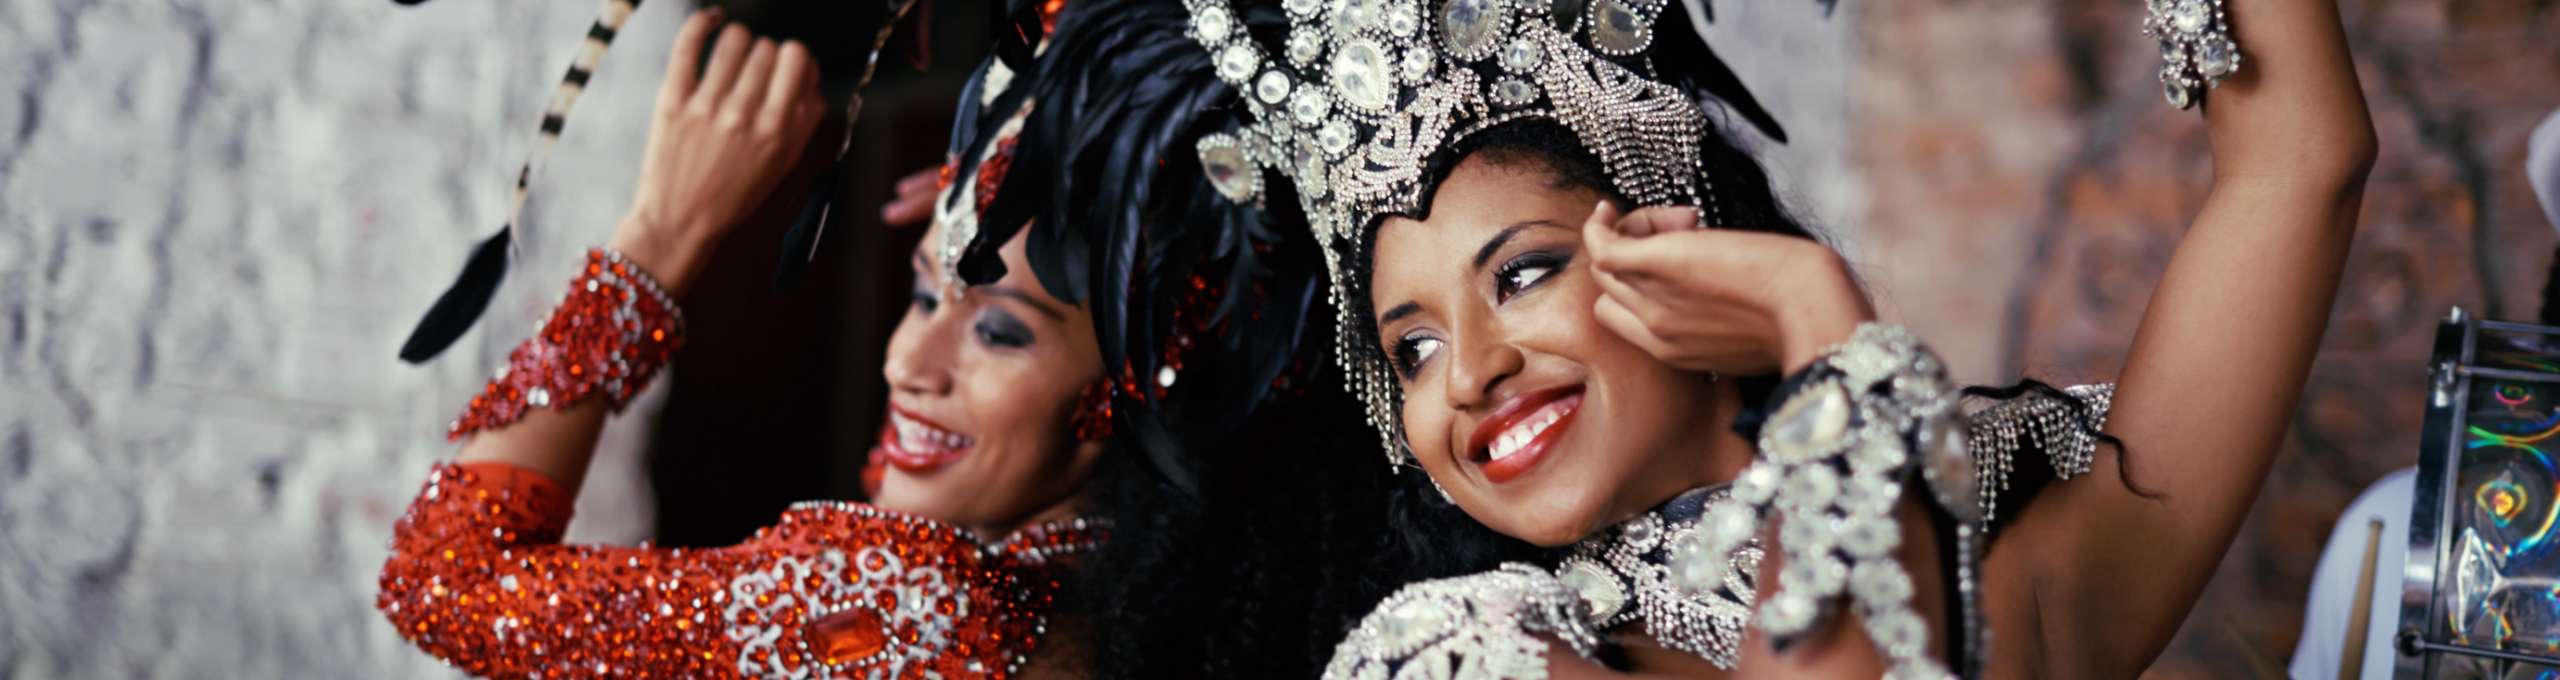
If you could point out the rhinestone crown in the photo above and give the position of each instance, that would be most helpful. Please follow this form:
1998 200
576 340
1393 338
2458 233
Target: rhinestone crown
1362 92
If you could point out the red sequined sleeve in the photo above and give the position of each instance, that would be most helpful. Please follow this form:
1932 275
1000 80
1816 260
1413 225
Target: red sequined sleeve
477 577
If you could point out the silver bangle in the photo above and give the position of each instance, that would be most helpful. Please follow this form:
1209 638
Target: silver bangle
2195 44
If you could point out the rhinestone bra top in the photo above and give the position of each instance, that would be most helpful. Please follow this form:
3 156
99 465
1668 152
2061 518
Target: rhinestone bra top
477 577
1489 624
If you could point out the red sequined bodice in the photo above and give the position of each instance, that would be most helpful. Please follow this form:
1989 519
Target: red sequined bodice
477 577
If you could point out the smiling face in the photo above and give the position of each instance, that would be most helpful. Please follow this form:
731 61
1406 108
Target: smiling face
1539 421
981 390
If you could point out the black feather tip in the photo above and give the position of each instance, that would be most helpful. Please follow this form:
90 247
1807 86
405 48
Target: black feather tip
461 304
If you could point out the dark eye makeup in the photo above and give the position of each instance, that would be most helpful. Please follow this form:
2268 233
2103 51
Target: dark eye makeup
1525 272
999 328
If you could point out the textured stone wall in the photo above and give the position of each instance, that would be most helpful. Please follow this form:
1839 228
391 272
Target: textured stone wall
217 221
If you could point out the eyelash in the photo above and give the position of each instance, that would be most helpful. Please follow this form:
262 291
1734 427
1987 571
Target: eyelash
1408 357
1506 280
986 330
1408 353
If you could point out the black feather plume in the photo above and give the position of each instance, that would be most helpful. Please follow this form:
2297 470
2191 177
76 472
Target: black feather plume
462 303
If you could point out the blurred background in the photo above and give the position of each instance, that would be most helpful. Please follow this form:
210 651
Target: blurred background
218 219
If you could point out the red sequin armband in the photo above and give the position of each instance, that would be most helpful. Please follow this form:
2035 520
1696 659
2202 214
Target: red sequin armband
609 336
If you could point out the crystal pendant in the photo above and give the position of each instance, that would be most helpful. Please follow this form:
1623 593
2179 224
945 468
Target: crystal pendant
1520 56
1358 15
1948 466
2189 17
1639 534
2179 97
1334 138
1469 26
1513 92
1602 595
1236 63
1412 624
1311 176
1727 525
1819 576
1810 489
1879 582
2218 58
1810 424
1310 106
1401 21
1272 87
1869 536
1305 48
1229 170
1617 29
1900 633
1360 75
1416 65
1212 24
1756 484
1788 613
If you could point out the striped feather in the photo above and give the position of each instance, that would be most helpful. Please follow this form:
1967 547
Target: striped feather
461 305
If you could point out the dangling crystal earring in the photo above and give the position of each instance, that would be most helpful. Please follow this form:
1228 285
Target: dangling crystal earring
1092 419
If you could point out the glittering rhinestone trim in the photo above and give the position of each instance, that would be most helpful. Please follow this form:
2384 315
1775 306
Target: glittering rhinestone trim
611 333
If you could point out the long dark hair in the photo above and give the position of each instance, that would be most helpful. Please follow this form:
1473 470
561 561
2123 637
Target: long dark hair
1248 528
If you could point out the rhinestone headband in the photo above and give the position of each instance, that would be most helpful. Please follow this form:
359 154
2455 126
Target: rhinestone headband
1365 91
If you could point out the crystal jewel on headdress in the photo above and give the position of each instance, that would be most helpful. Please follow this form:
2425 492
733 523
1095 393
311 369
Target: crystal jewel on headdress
1354 99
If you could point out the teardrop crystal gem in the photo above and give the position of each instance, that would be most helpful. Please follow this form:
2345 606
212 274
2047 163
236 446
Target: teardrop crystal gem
1360 75
1617 29
1469 26
1229 171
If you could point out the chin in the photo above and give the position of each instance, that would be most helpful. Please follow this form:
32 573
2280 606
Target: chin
1553 512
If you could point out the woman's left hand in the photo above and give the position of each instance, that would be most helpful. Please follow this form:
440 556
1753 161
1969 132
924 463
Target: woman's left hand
1725 301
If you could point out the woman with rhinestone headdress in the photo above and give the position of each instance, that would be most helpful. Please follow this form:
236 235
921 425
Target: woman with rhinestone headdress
1098 351
1685 401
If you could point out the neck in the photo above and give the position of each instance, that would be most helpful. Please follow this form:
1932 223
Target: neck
1064 509
1718 457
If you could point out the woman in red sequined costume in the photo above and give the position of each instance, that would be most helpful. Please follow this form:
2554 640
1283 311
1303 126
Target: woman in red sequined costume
1010 403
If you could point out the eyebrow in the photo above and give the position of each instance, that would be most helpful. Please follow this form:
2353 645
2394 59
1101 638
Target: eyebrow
1017 295
1399 312
1485 253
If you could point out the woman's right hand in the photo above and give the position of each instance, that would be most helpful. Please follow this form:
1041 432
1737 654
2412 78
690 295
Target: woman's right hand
722 137
1719 300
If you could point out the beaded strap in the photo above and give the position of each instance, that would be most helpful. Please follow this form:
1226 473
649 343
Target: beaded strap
609 336
1849 435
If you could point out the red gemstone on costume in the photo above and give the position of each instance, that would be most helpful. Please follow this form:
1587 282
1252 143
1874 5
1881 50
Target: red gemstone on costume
847 636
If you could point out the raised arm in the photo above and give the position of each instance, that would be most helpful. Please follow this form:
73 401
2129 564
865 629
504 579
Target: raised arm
2217 366
722 137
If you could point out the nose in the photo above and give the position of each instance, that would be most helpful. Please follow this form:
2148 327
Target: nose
920 358
1481 360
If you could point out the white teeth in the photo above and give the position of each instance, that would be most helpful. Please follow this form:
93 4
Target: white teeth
919 437
1518 437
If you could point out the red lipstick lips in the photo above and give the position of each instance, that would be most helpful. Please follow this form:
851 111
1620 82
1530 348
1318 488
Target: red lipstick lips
1522 431
915 444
